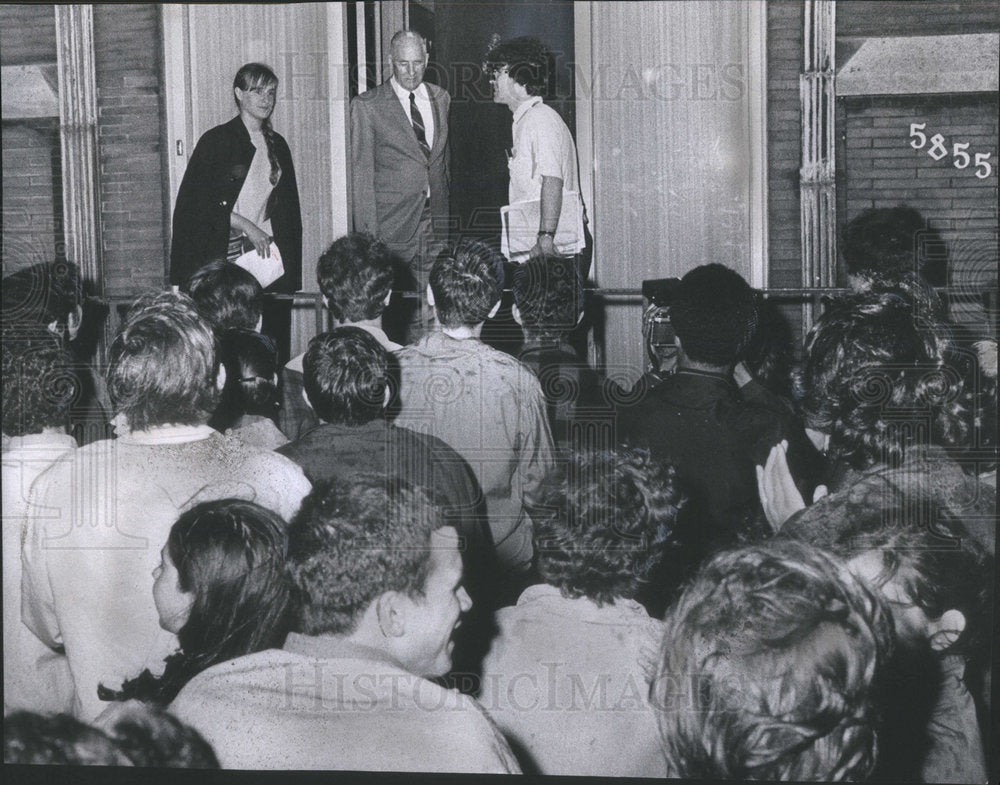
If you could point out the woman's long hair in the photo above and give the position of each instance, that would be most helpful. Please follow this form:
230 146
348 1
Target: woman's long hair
251 362
229 554
259 75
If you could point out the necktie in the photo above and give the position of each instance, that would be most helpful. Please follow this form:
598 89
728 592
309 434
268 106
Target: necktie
418 126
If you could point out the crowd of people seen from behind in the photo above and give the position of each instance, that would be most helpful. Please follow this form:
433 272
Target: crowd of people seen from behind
443 557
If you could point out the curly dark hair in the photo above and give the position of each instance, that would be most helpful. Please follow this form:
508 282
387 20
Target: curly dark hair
549 296
714 313
466 282
937 563
355 274
886 244
39 384
139 735
602 522
226 295
527 60
353 541
41 294
162 364
767 668
345 373
877 379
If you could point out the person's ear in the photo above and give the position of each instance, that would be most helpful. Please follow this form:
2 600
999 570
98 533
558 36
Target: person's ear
238 95
390 609
430 296
944 632
493 310
385 302
516 313
220 379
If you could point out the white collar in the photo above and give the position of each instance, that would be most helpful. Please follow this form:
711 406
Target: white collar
168 434
535 100
404 95
36 440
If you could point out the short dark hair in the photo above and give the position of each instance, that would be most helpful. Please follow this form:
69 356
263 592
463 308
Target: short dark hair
41 294
251 362
466 283
527 60
602 522
714 313
39 384
353 541
767 666
936 561
345 373
888 244
870 358
355 274
549 295
162 366
226 295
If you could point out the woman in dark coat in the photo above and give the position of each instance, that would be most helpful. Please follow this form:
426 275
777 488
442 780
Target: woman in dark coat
231 199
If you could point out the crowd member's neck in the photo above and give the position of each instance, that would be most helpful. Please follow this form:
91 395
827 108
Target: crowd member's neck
685 363
376 322
464 332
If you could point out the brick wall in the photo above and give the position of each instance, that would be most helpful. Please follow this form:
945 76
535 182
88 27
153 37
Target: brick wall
128 64
879 168
917 17
784 141
32 192
32 188
27 34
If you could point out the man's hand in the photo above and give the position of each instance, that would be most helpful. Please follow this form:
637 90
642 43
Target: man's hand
778 494
544 247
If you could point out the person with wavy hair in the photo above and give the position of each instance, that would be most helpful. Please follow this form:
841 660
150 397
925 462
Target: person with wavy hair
478 400
565 678
880 397
232 199
110 506
548 304
226 295
355 275
38 389
769 668
221 586
937 581
377 595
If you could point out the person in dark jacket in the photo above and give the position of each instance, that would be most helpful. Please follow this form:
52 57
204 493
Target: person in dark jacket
232 200
346 375
712 428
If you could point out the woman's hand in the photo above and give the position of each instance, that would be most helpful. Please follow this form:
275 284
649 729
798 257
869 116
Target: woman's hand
260 239
778 494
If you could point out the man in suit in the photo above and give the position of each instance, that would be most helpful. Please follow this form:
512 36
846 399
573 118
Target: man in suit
400 162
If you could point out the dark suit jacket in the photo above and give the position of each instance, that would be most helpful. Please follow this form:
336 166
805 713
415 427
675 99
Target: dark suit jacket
211 185
390 173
